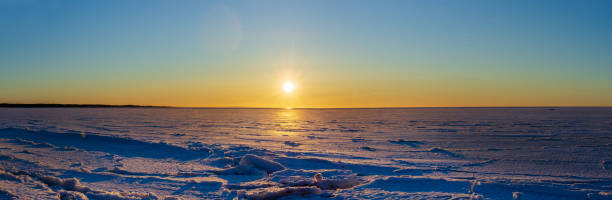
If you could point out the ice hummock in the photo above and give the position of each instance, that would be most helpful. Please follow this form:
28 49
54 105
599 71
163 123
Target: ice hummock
252 164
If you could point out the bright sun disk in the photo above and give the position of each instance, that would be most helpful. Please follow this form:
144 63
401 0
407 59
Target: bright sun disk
288 87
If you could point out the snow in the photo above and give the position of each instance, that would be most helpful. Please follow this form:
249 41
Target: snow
251 164
276 192
517 195
268 166
334 184
71 195
452 153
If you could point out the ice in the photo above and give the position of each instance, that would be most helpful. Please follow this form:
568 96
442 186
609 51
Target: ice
443 151
293 144
517 195
451 153
113 195
276 192
407 142
9 176
7 195
333 184
34 144
260 163
251 164
368 148
71 195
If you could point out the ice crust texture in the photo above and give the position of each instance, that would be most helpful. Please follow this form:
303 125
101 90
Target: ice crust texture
450 153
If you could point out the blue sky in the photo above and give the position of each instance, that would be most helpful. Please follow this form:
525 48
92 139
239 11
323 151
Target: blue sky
340 53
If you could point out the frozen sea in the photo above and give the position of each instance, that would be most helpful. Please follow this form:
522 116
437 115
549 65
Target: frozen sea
411 153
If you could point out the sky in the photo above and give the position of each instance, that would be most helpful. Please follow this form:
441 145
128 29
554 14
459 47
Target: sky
337 53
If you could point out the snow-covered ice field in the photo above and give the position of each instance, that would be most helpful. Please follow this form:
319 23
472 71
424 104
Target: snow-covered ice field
416 153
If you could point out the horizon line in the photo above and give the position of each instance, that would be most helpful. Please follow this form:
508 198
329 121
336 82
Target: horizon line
61 105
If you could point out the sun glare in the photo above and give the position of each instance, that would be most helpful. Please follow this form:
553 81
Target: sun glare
288 87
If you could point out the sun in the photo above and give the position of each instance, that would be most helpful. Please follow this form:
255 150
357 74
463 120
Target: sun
288 87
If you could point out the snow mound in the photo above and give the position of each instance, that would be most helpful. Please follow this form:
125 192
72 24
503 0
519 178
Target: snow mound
260 163
71 184
250 164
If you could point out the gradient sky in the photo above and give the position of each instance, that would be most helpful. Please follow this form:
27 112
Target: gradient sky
338 53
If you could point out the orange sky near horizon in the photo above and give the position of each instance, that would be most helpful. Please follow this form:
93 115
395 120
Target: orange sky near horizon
338 54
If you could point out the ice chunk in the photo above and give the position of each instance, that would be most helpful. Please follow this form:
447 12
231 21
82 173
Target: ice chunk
69 183
172 198
250 185
276 192
250 160
7 195
332 184
71 195
114 195
8 176
443 151
34 144
293 144
475 196
411 143
517 195
368 148
250 164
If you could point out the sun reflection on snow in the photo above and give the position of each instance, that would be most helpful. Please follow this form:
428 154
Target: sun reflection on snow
287 121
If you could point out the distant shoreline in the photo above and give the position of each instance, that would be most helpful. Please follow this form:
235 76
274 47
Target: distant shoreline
51 105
